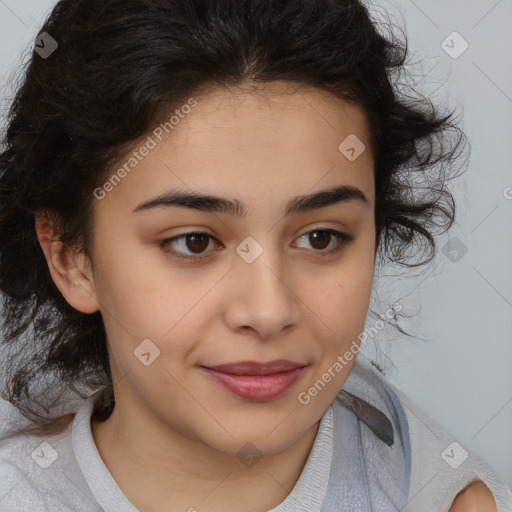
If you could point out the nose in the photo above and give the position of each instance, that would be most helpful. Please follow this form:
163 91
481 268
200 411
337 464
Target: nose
262 298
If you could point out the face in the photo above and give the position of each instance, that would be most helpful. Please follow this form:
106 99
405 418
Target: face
263 281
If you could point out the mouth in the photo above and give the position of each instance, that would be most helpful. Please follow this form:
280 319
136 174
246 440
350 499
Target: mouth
256 381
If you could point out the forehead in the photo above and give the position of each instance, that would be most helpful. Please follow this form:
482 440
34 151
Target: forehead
270 115
254 142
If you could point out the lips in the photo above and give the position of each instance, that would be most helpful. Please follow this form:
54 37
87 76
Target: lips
254 368
256 381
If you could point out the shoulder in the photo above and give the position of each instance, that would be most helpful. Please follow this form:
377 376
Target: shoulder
476 497
37 473
17 491
442 468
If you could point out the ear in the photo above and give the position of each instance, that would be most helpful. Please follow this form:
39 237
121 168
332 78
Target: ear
70 270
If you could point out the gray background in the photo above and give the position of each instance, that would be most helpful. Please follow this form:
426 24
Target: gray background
460 374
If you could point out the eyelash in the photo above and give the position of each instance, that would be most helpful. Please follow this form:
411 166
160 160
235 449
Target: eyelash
343 240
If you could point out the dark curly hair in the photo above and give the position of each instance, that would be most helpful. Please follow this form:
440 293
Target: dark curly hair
120 67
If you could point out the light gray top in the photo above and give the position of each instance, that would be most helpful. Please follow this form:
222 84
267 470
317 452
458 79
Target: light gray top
353 464
66 473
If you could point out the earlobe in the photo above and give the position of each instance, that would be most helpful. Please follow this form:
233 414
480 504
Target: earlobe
70 270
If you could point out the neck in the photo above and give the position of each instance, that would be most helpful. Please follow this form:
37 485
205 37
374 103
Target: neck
154 464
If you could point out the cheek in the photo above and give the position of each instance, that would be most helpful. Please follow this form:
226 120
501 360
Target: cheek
349 290
127 282
347 306
344 304
140 302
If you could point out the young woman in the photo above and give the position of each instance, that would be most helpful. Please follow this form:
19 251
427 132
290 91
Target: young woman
193 198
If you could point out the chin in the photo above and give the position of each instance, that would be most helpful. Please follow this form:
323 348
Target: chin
254 441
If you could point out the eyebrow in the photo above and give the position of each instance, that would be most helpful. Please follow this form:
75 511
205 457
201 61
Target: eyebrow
212 203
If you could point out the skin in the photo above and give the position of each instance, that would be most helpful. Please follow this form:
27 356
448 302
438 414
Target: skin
174 435
477 497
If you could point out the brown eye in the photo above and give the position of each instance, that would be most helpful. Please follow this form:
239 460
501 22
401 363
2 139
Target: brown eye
321 238
193 246
196 243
